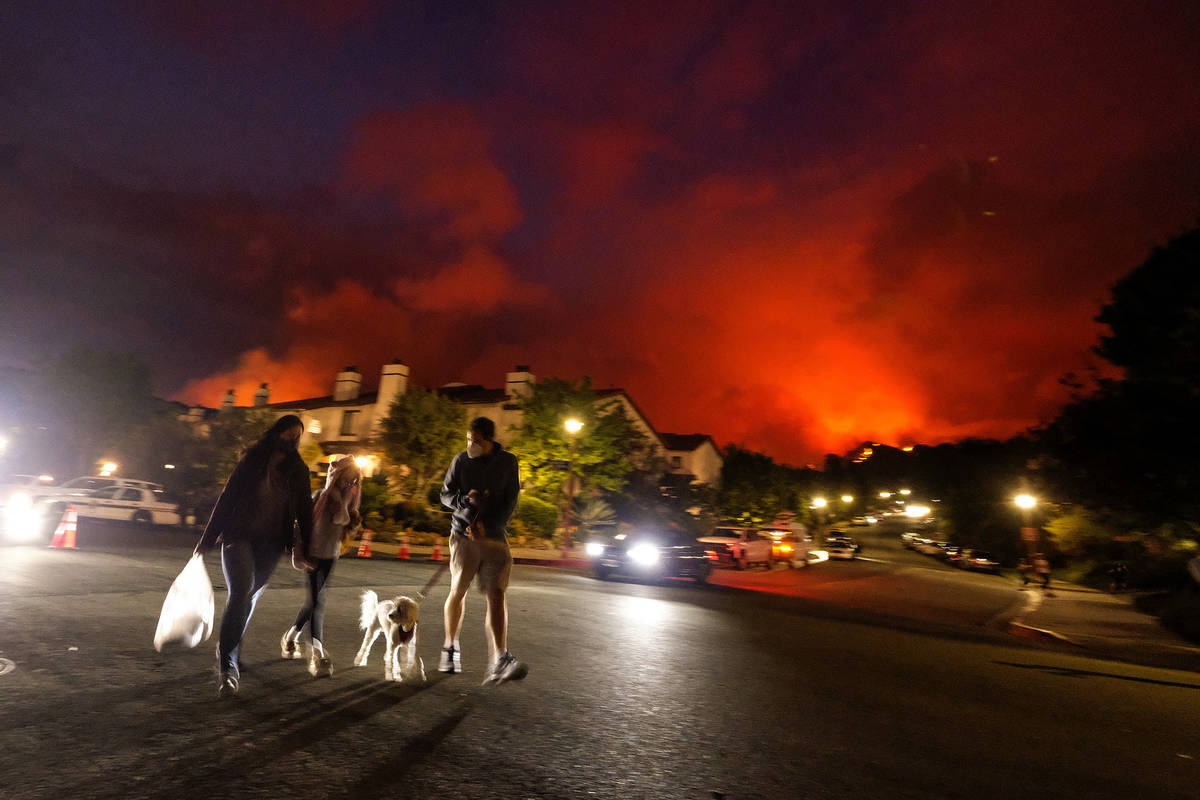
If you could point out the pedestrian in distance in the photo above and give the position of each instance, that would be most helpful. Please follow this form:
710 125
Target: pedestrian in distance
335 513
1042 566
1025 566
254 520
481 489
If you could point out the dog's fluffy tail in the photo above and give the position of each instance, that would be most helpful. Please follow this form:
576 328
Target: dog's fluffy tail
367 613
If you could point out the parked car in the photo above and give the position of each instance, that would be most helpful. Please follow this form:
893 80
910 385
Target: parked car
909 539
130 503
977 561
928 547
788 547
841 548
653 555
740 547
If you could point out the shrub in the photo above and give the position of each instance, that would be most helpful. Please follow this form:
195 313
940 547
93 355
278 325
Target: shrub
538 517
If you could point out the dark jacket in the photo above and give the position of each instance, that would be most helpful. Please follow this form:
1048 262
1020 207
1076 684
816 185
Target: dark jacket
242 483
497 478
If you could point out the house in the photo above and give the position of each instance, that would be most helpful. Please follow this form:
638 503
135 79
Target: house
693 456
502 407
348 421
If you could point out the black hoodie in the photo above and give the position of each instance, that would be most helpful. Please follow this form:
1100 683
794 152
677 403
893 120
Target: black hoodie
496 477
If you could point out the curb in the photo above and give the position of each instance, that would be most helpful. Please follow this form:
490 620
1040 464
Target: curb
1038 634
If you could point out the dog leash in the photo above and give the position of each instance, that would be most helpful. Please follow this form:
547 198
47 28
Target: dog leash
432 580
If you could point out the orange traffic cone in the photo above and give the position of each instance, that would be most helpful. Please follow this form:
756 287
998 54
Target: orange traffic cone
364 546
64 534
403 546
436 555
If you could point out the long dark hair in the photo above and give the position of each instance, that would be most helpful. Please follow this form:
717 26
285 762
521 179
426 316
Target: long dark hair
258 455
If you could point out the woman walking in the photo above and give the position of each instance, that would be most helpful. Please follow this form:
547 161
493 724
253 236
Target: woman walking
253 521
334 513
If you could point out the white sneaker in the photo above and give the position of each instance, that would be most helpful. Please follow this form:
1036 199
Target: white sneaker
289 646
507 668
451 660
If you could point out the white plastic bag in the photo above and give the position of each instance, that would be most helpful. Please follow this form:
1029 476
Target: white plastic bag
187 613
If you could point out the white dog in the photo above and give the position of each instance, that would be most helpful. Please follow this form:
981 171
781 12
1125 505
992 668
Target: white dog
396 619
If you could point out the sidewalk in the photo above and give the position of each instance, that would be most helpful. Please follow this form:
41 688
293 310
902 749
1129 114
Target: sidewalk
1102 624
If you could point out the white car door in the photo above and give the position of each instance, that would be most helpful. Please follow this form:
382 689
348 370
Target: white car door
128 503
758 547
97 505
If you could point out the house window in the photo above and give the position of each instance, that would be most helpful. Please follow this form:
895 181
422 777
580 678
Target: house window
314 426
348 418
676 462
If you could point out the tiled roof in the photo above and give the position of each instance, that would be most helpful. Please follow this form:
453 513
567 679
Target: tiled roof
473 393
685 441
364 399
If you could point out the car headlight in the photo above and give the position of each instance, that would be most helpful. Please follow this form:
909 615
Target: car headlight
594 549
21 519
643 554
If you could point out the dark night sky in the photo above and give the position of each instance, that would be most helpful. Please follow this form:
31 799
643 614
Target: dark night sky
796 226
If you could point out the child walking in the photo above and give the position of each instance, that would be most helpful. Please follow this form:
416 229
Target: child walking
334 513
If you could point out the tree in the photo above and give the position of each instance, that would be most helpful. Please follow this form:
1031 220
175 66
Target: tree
754 489
606 453
421 434
1126 451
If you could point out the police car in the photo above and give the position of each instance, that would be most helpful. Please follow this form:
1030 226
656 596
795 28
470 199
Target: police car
123 500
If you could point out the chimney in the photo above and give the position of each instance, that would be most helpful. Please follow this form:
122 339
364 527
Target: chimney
228 400
261 396
519 382
349 381
393 382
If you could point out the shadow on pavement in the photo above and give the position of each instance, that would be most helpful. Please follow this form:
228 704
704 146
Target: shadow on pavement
392 769
1070 672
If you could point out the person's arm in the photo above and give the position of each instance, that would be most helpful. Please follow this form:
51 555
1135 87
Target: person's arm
304 505
506 504
452 498
222 512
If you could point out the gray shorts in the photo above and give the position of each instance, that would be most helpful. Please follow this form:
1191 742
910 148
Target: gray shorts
487 560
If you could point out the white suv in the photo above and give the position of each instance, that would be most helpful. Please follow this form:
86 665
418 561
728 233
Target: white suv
740 547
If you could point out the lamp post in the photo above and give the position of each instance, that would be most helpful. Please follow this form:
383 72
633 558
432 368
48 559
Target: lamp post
1026 503
818 505
573 426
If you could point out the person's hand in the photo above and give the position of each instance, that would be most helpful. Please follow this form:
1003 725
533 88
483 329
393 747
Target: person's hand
301 562
473 497
201 549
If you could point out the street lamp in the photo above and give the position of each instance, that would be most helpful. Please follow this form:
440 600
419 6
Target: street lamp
906 491
847 498
573 426
1026 503
107 469
819 502
884 495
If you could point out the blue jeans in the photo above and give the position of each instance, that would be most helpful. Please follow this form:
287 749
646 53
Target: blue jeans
313 611
247 567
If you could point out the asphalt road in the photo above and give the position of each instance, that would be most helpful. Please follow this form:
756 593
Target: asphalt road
634 691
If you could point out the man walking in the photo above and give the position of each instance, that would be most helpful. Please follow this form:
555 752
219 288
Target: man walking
481 488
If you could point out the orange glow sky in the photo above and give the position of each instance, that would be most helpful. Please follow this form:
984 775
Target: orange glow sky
795 231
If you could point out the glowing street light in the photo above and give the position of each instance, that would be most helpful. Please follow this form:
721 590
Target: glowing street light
107 469
1025 501
573 426
916 512
884 495
361 461
847 498
906 491
818 502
